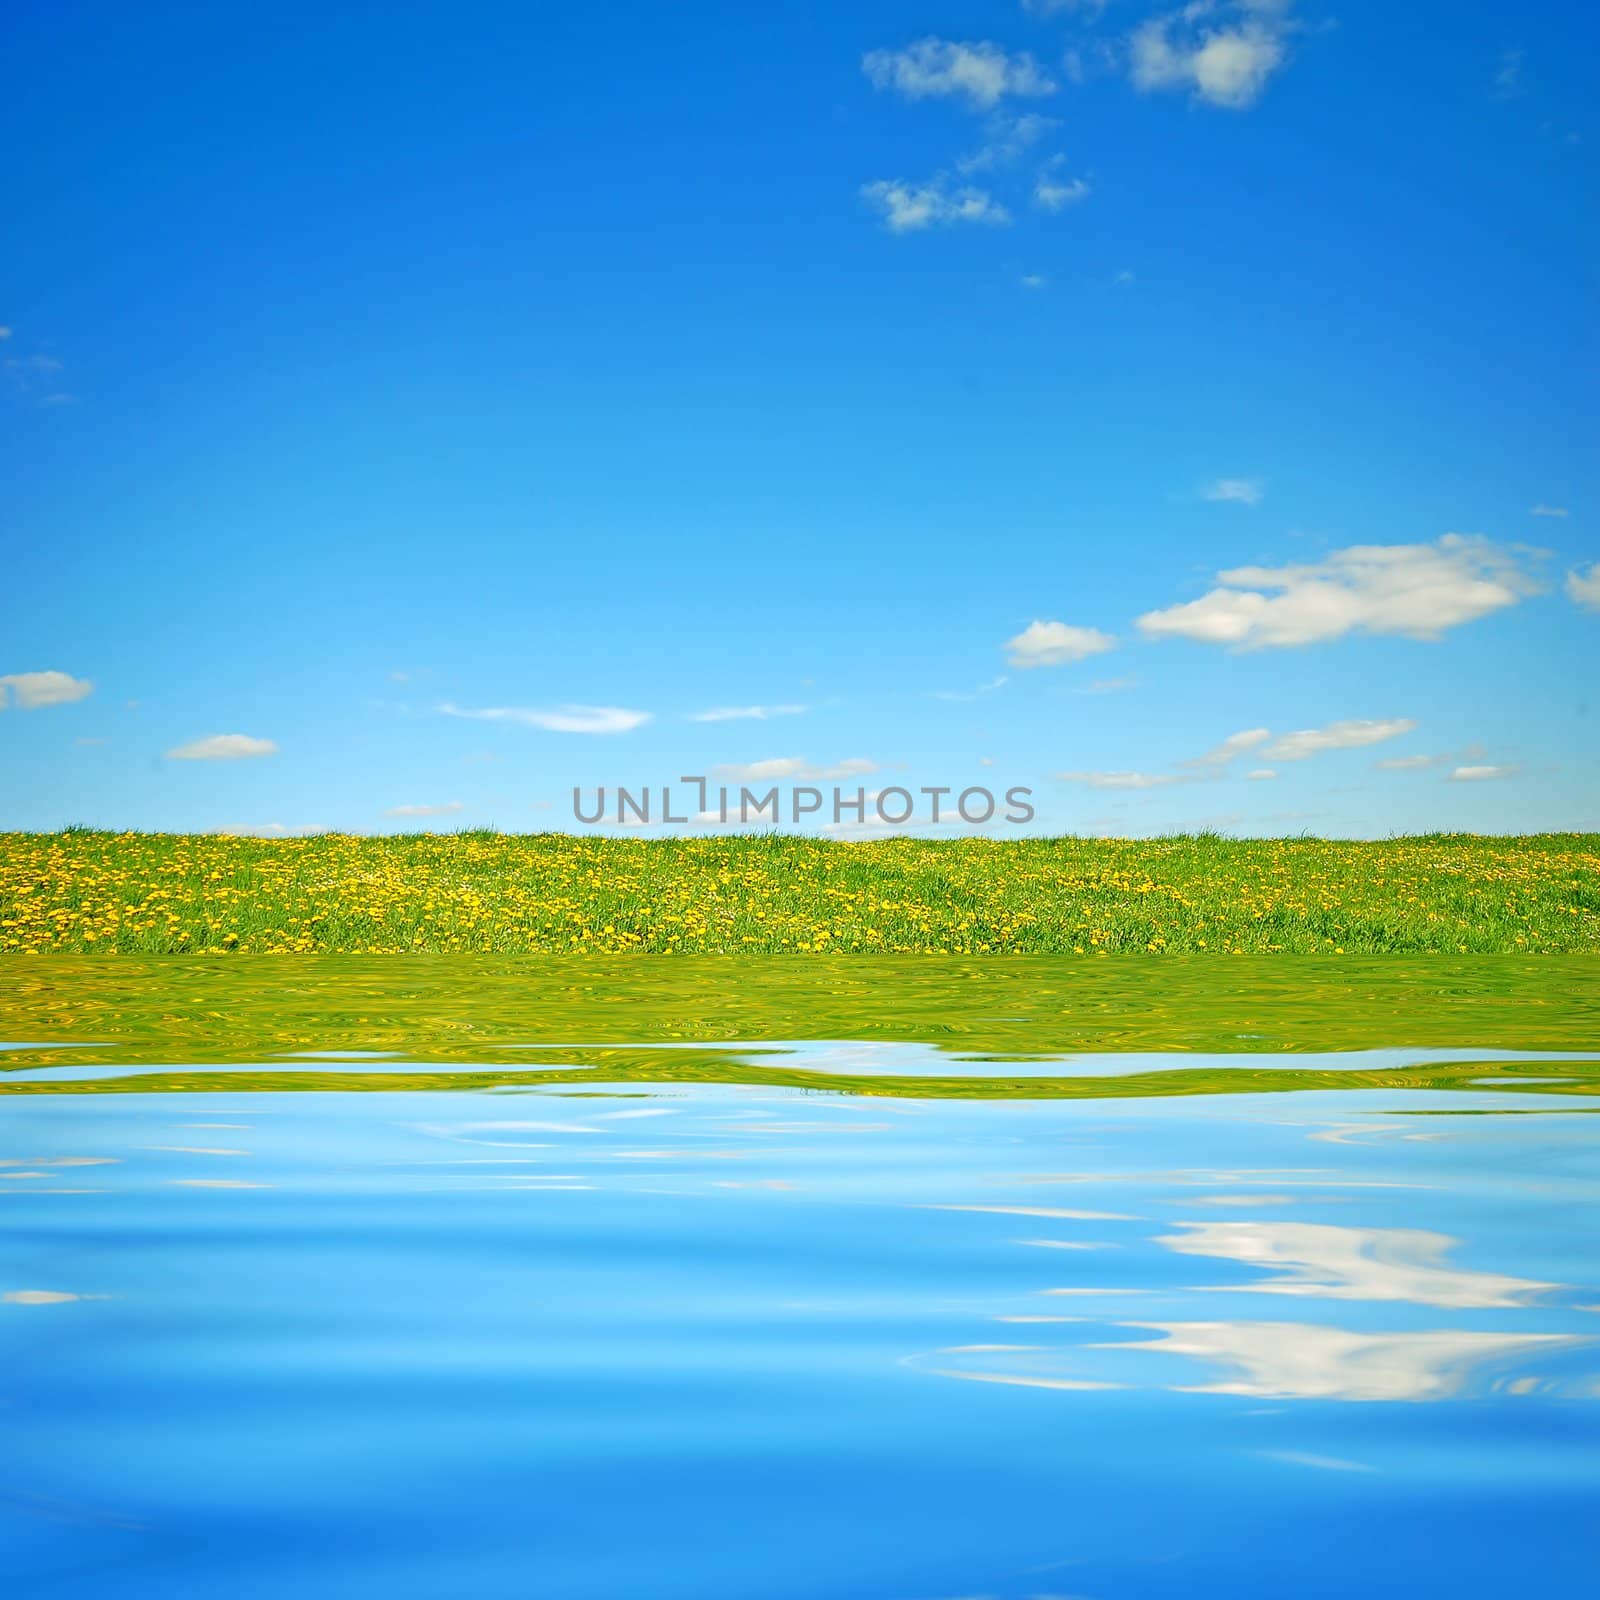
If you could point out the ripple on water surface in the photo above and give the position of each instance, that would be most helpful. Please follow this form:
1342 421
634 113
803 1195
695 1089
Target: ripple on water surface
623 1336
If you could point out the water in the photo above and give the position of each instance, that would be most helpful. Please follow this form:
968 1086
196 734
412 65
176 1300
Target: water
822 1287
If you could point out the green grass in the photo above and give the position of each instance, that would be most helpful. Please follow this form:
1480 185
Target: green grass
88 891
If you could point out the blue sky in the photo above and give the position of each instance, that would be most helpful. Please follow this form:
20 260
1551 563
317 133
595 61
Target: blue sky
366 368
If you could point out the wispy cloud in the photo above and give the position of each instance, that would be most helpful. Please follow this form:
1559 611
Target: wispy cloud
981 74
1109 686
1421 763
972 694
1350 734
1508 83
746 713
223 747
913 207
1054 191
1231 748
35 376
795 769
1224 55
1125 780
1054 644
1415 590
558 719
1547 511
37 689
1481 774
1217 762
448 809
1050 8
1007 139
1583 586
1241 491
1411 763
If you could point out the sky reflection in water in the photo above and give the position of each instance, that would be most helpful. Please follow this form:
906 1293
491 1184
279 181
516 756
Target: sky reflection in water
718 1340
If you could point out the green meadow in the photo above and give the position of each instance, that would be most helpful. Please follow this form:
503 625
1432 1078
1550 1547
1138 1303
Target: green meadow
488 893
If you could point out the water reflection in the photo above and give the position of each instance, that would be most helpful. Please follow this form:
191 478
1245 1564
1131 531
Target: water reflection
423 1343
857 1015
1339 1263
1305 1361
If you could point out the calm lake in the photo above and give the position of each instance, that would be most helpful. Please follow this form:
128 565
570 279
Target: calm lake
929 1280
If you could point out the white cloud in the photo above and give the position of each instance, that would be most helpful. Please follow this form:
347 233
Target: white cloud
1051 193
1583 586
1227 65
1033 280
1421 763
1108 686
560 719
1216 761
1007 139
746 713
911 207
223 747
1241 491
1416 590
1123 780
1481 774
5 333
982 74
1547 511
1053 644
780 769
36 689
1350 734
448 809
1122 279
1231 748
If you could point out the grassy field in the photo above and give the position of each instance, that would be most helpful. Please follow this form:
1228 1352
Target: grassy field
555 893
